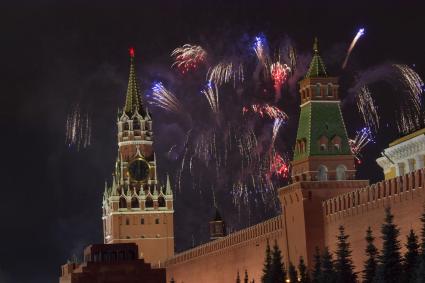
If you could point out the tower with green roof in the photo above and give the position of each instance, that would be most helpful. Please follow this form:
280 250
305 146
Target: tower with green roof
321 149
322 166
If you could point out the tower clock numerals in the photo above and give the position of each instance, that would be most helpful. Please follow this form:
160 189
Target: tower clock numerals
139 170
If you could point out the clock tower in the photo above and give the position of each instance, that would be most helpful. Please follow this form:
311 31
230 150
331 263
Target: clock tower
136 207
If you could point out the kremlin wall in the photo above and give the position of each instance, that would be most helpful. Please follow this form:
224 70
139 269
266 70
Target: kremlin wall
322 195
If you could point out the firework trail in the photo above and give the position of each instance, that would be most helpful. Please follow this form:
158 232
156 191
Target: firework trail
78 129
292 56
363 137
164 99
211 94
188 57
413 82
279 73
359 34
367 108
225 72
276 126
261 49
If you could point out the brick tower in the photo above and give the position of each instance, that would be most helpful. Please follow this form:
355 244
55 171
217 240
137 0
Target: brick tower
136 208
323 165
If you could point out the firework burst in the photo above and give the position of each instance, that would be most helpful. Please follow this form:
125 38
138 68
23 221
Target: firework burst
367 108
165 99
224 72
362 138
279 73
188 57
211 94
267 110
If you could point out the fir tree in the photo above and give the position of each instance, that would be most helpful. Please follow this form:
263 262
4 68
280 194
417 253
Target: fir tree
328 272
344 268
302 268
292 273
411 257
277 269
390 267
317 271
238 279
267 265
420 270
245 280
371 261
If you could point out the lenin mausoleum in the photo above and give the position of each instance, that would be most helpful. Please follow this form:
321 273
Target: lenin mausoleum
322 195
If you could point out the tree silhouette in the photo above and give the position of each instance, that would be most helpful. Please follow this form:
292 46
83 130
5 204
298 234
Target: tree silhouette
277 269
372 261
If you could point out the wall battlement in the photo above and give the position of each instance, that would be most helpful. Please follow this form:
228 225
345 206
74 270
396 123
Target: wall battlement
235 239
375 195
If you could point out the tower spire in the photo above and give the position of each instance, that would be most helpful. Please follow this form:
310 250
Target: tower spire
317 67
133 101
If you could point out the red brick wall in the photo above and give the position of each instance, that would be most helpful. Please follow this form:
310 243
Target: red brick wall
369 210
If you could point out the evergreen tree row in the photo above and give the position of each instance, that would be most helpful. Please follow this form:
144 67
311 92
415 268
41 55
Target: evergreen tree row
387 265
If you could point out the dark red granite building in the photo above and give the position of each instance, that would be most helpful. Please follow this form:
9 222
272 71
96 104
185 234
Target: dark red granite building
111 263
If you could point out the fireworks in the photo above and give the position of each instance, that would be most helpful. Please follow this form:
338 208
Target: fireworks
278 165
188 57
276 126
292 56
367 108
353 43
225 72
279 74
260 48
164 99
211 93
268 110
363 137
413 82
78 129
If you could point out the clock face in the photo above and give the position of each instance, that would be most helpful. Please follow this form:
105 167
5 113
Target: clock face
139 170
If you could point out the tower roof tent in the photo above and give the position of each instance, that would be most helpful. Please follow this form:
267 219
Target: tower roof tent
317 68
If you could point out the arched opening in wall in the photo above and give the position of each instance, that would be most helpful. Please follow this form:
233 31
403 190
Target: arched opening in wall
336 143
134 202
136 124
323 143
329 91
161 201
123 202
322 173
317 90
149 202
340 172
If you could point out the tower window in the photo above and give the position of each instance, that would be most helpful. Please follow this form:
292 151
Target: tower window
127 221
136 124
340 172
134 202
149 202
123 202
322 173
161 201
318 94
126 127
323 143
157 221
329 90
142 221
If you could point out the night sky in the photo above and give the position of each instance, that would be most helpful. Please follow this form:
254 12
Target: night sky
54 54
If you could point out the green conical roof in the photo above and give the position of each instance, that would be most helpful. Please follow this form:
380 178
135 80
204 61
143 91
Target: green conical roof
133 100
317 67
